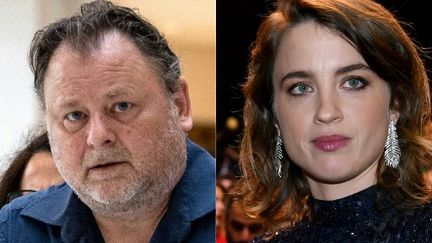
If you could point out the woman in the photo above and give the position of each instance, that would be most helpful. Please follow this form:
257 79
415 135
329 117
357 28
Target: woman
31 170
335 148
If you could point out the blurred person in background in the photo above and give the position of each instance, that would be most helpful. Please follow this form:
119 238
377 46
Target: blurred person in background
240 228
31 170
220 213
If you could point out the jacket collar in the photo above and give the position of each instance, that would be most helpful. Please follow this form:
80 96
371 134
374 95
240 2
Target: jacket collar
192 198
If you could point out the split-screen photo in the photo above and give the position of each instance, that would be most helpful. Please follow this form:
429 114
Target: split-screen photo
215 121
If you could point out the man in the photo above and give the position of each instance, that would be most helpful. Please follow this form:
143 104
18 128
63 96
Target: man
117 112
240 228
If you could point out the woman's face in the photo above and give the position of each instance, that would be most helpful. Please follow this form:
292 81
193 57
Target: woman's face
332 109
40 172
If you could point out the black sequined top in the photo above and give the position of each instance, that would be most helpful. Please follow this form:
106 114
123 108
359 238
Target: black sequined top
359 218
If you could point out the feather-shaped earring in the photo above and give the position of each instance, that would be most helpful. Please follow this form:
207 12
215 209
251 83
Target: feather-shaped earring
392 150
278 155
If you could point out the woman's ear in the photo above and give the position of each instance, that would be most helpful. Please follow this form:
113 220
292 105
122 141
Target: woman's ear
394 112
394 116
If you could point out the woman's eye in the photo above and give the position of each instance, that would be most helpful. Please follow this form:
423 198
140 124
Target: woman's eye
122 106
300 89
354 83
75 116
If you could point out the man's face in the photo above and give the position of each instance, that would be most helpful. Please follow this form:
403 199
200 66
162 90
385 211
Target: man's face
117 137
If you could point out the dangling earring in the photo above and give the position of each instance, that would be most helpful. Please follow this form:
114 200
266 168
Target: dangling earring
392 150
278 155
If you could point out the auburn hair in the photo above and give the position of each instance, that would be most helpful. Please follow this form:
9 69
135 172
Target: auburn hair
390 53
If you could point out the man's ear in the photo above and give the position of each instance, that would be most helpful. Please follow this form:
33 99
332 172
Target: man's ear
183 103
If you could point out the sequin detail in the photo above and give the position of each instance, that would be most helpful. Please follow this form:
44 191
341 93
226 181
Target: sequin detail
360 218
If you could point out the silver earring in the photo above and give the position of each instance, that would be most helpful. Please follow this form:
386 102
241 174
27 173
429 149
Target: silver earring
278 155
392 150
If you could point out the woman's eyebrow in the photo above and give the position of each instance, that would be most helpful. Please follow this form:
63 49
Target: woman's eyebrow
296 74
351 68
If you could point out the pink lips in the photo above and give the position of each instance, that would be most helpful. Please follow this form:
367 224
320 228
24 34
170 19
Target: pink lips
330 143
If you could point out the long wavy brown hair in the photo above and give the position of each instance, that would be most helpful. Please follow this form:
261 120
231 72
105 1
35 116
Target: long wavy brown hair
390 52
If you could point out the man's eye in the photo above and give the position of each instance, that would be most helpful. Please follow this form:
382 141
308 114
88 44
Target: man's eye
75 116
122 106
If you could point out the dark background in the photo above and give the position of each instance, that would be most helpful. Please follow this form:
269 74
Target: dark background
237 22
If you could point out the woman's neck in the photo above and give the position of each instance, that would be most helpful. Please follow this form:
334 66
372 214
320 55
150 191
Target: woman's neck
329 191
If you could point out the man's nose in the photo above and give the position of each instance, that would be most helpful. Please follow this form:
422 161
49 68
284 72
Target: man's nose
100 132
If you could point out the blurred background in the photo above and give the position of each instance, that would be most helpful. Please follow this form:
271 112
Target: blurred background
189 26
237 23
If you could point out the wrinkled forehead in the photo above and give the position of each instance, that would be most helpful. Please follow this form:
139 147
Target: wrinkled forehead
91 45
116 68
115 53
110 46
